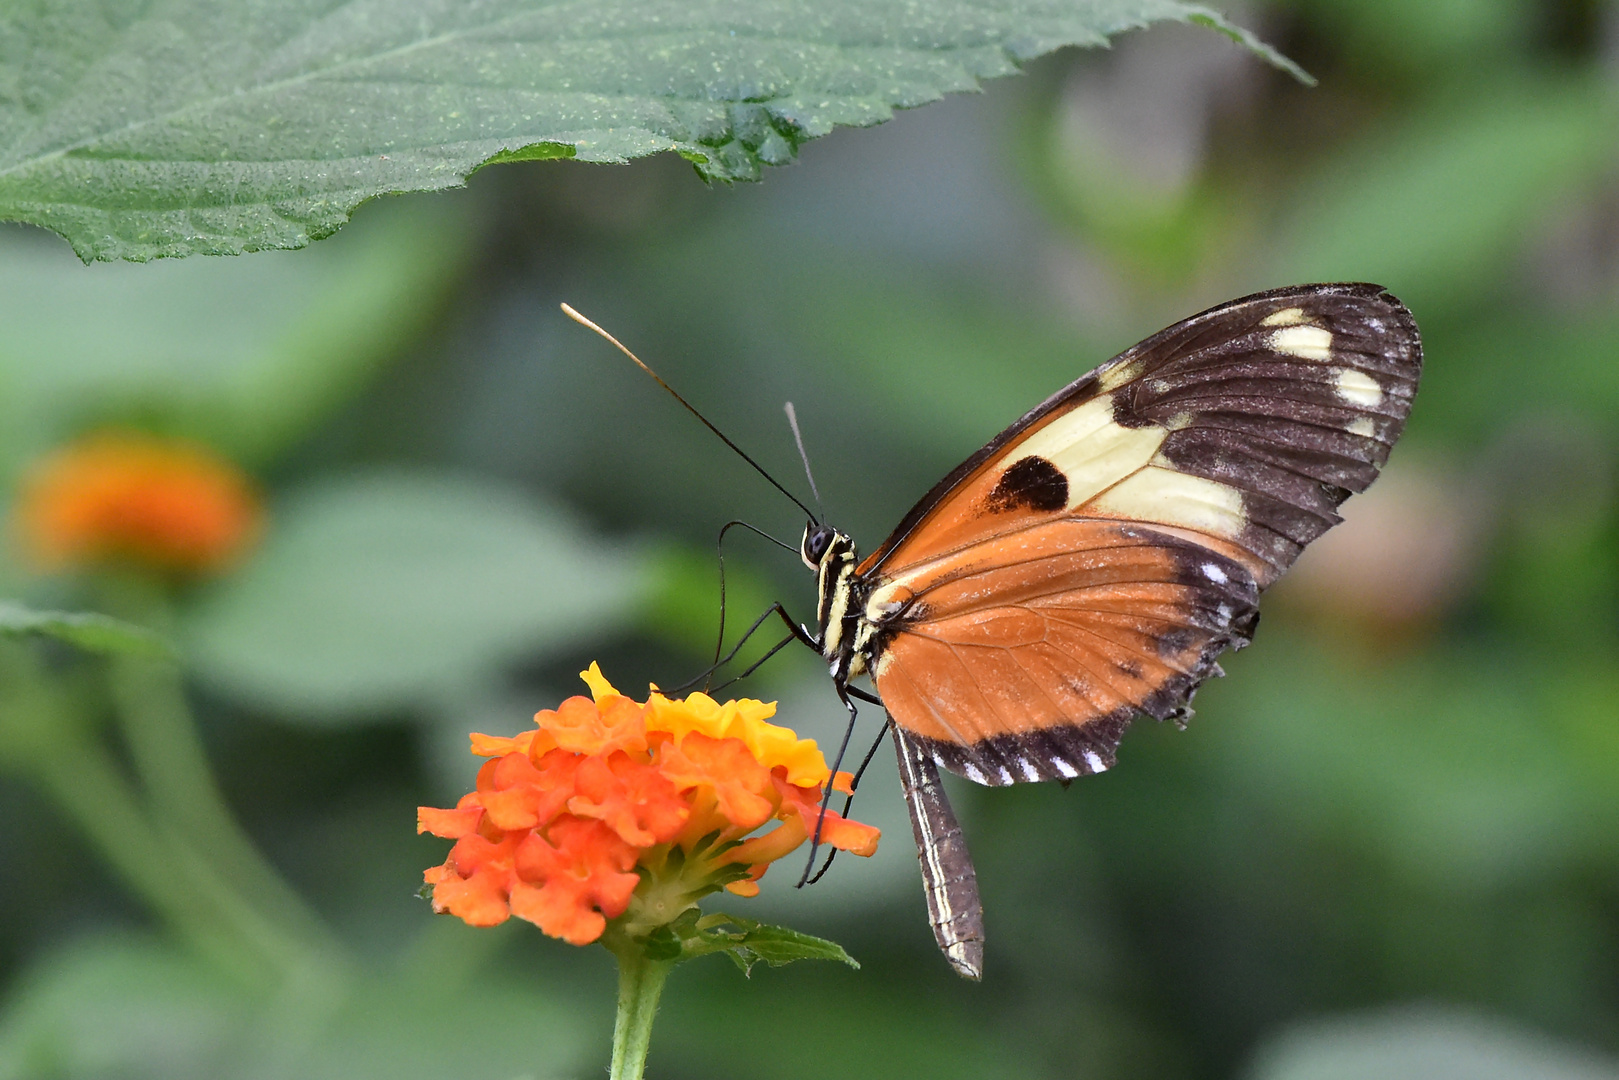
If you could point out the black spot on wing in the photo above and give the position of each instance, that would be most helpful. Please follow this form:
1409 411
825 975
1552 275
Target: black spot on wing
1033 482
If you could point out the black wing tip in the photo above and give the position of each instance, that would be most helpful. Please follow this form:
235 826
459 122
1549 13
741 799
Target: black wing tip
1089 384
1358 290
1363 290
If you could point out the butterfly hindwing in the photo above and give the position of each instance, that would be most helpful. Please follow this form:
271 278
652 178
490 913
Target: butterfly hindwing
1090 562
1025 660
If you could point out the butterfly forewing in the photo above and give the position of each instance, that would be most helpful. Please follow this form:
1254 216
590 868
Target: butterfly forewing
1089 563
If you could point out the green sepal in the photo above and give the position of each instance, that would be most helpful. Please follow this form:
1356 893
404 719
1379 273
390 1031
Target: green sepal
664 944
88 630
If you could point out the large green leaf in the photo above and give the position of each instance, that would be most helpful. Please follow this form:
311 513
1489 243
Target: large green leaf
223 126
396 591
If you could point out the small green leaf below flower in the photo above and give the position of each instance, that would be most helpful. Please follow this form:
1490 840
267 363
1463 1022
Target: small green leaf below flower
89 631
747 942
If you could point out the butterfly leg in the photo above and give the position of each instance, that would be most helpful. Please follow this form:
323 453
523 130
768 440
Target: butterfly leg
799 633
854 783
948 876
826 799
757 664
719 641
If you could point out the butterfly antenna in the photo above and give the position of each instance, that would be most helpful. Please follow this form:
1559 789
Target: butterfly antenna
582 321
792 421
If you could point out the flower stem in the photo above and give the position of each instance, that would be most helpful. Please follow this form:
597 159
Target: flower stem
640 983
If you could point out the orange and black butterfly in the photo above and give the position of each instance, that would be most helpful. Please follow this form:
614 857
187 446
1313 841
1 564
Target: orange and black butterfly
1089 564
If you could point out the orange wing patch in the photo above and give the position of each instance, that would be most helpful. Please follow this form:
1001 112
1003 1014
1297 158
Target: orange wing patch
1026 657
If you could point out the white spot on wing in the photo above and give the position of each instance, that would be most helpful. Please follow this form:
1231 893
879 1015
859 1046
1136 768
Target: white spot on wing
1175 498
1304 342
1030 773
1094 760
1115 377
1215 574
1363 427
1359 388
1004 775
1288 316
1063 767
974 773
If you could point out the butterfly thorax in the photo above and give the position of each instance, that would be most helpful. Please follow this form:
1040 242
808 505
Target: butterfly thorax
840 600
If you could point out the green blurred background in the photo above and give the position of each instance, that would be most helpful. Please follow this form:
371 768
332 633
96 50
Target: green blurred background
1387 846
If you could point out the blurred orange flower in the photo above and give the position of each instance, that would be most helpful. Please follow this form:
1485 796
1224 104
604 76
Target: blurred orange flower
611 806
162 503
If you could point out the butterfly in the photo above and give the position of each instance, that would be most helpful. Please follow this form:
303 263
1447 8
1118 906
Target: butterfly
1090 563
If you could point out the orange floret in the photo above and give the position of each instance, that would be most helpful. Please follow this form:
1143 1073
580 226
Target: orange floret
124 496
572 821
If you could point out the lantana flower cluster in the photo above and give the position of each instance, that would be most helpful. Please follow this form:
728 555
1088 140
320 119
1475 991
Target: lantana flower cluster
124 496
611 805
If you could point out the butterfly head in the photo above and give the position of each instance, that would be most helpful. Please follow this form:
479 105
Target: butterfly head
818 541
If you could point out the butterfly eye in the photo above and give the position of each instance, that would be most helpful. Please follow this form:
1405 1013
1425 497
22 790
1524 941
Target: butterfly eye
817 538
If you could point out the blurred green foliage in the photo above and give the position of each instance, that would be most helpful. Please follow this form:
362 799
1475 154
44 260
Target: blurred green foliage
1389 802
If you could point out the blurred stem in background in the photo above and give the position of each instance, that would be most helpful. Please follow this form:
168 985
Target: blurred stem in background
48 736
166 751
